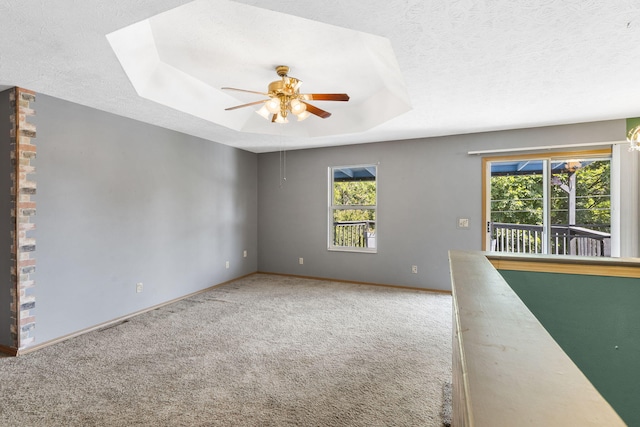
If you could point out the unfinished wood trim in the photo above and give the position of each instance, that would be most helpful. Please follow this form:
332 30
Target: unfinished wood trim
10 351
615 267
512 370
486 185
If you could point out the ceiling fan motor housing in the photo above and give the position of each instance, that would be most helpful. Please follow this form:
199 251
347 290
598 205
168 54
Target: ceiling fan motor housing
277 87
282 70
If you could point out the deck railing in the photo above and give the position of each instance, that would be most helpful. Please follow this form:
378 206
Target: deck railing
565 239
355 234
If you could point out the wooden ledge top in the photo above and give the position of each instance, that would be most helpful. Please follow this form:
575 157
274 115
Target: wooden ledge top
514 373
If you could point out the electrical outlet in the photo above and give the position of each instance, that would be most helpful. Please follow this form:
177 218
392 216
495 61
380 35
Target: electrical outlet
463 222
244 253
226 264
300 261
139 287
414 269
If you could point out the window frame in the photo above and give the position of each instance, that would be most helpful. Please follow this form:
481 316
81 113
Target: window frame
548 157
332 208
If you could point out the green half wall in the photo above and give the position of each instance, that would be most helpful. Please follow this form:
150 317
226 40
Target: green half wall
596 321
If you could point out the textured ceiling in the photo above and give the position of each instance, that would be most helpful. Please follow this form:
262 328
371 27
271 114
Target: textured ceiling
468 65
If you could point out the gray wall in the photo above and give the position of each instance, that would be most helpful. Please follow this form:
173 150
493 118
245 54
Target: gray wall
121 202
423 187
5 219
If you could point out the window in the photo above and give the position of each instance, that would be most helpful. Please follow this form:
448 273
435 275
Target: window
352 208
559 204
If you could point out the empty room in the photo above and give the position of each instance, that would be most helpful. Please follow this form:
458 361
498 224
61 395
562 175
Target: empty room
269 213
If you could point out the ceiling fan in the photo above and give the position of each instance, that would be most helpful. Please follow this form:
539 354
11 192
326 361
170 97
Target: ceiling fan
284 97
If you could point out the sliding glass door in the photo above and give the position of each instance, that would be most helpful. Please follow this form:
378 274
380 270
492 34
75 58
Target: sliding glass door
548 205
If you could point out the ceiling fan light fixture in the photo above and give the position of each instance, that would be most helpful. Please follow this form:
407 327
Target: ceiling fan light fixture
273 105
264 112
281 119
295 84
303 115
297 107
284 97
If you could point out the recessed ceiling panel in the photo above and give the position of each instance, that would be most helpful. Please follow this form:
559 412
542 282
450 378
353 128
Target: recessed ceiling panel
183 57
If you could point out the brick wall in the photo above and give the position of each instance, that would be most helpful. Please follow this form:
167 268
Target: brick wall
23 244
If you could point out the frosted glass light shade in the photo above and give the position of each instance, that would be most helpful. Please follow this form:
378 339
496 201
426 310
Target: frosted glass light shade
273 105
303 115
297 107
263 112
280 119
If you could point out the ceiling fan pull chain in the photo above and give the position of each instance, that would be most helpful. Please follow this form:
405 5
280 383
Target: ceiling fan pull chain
283 166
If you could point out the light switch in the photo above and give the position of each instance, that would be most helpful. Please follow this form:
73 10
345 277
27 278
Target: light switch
463 222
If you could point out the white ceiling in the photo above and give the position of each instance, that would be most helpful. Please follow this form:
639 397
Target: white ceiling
468 65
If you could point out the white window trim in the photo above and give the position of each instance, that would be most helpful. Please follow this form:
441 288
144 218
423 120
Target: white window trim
331 207
624 201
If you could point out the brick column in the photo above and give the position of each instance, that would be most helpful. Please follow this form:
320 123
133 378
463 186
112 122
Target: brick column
23 211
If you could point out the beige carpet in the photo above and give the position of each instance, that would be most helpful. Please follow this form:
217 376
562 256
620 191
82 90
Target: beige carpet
262 351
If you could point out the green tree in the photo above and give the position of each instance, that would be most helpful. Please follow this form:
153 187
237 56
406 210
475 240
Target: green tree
354 193
593 201
518 199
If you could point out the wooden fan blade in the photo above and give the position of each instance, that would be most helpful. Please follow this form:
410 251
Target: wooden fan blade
317 111
245 90
246 105
326 96
273 119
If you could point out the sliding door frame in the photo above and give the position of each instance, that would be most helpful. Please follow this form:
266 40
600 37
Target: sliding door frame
547 157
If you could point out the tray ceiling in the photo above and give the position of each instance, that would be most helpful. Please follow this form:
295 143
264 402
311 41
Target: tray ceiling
468 65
